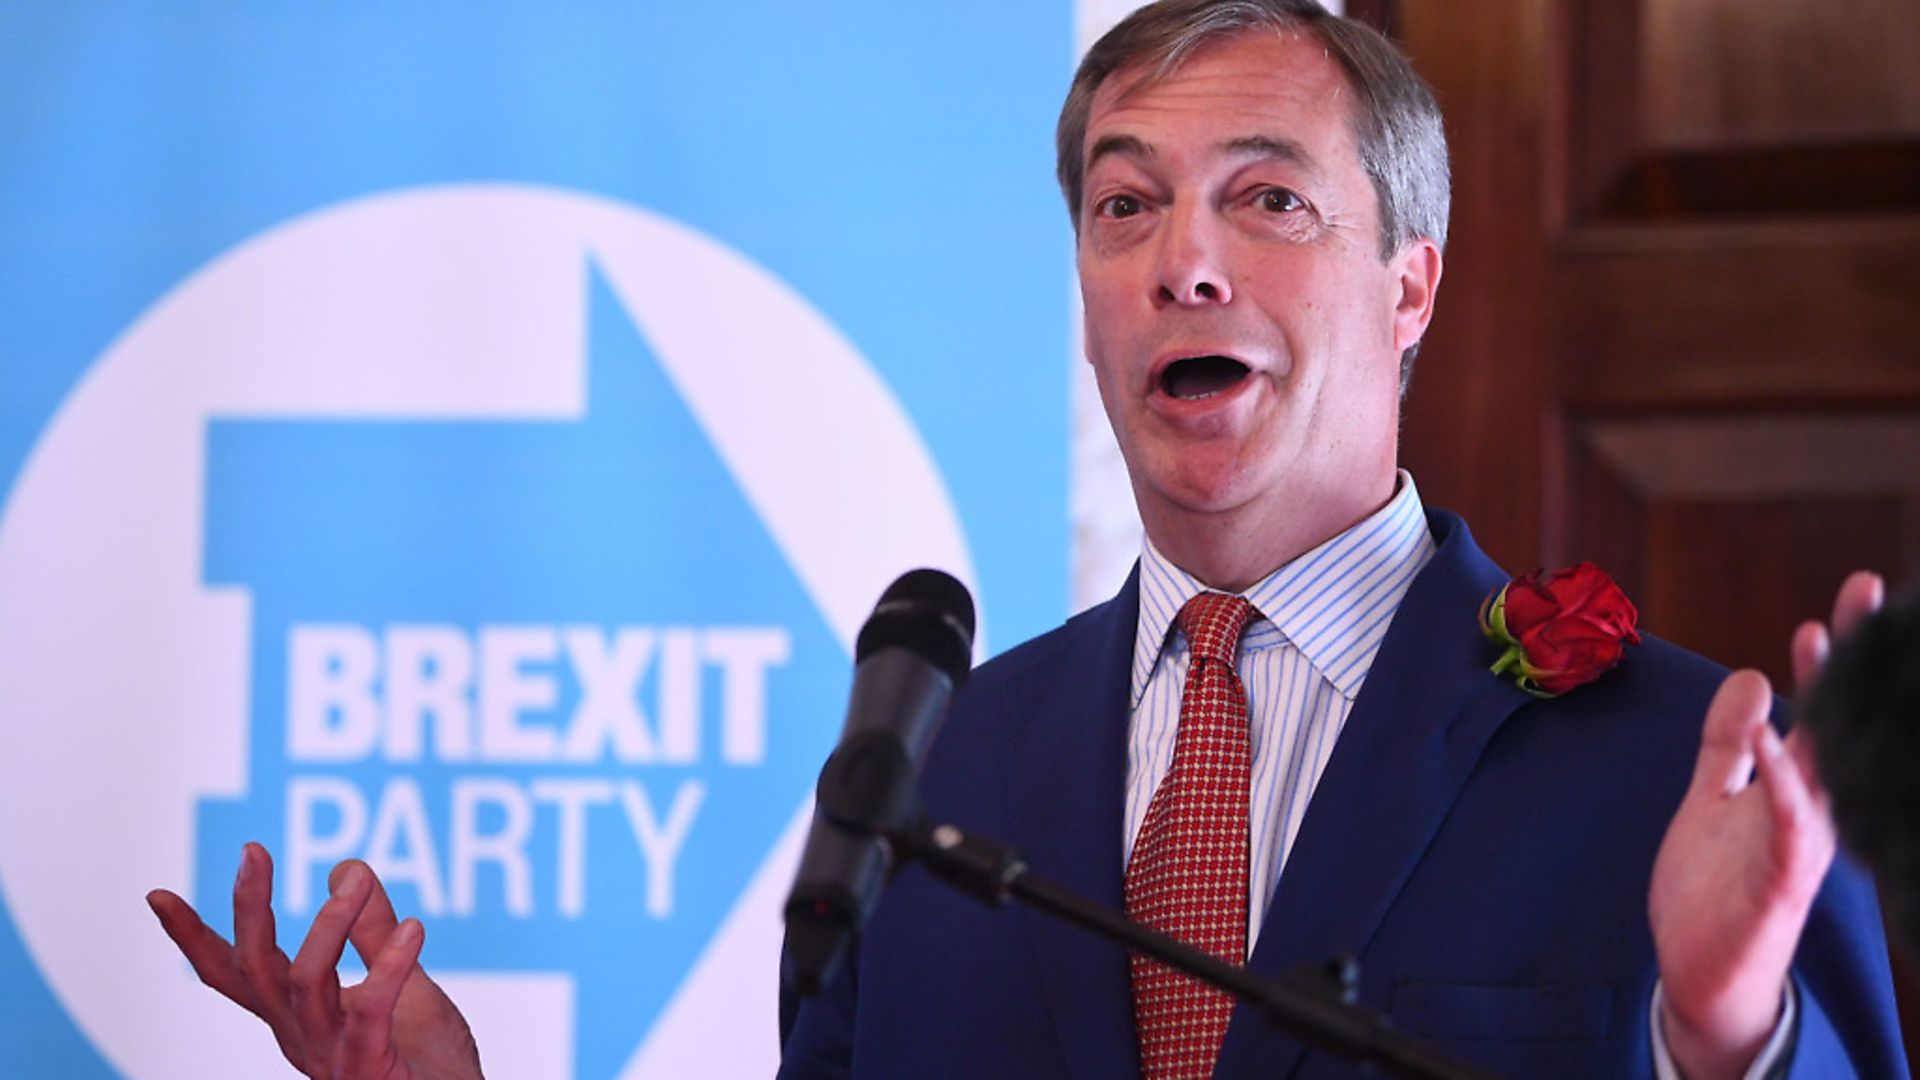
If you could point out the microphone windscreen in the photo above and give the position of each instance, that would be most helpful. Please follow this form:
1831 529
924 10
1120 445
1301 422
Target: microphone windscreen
928 613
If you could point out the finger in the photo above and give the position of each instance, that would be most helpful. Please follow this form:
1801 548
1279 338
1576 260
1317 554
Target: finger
208 952
376 922
1801 753
1798 831
253 924
1810 647
313 982
1726 749
1860 596
367 1038
258 958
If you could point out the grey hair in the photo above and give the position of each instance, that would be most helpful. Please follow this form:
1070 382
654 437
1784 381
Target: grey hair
1401 140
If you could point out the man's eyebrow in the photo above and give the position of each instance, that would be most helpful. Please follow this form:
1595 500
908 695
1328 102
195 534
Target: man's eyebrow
1124 145
1269 146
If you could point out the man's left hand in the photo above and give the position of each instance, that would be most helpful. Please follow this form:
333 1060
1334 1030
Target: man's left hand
1741 864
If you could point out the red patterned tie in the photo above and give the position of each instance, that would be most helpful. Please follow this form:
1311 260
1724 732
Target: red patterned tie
1188 874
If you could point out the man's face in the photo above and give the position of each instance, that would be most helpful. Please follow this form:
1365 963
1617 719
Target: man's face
1242 327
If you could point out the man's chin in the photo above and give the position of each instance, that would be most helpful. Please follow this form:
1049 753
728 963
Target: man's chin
1196 490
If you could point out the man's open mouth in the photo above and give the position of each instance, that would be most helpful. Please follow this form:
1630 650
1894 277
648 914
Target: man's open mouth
1198 377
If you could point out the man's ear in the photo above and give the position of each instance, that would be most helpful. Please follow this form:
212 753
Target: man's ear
1416 276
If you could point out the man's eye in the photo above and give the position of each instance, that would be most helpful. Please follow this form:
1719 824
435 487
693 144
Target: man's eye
1280 201
1117 206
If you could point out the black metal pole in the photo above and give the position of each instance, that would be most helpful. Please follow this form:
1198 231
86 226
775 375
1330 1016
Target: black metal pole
1314 1013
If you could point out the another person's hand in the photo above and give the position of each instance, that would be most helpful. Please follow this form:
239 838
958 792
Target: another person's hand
397 1024
1741 864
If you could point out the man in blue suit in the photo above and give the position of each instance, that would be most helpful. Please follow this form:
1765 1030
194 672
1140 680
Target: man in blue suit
1259 197
1589 885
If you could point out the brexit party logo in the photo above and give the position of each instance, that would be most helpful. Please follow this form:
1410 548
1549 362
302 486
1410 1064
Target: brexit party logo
510 539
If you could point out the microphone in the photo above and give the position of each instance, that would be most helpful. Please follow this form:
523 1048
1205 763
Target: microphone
1864 715
915 650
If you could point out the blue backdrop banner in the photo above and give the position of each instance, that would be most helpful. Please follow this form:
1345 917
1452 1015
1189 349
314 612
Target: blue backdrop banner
468 438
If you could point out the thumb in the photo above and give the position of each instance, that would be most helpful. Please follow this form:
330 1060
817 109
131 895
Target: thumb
368 1031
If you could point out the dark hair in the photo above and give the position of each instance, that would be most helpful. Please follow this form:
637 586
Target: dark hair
1397 128
1864 715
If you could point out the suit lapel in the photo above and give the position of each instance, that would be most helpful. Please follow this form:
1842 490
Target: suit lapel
1070 737
1427 709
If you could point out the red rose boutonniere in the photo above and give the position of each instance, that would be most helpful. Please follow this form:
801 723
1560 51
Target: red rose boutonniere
1560 628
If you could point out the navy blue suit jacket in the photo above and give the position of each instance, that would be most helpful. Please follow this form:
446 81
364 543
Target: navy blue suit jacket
1485 855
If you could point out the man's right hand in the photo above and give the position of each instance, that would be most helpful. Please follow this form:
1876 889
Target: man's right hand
397 1024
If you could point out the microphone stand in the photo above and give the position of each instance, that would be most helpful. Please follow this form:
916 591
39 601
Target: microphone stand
1304 1003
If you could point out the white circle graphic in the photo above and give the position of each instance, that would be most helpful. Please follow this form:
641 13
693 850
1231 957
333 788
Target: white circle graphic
124 693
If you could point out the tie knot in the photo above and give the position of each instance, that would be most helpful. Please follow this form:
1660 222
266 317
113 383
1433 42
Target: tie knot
1213 622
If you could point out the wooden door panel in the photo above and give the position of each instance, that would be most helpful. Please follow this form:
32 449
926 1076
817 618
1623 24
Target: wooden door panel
1730 72
1709 316
1753 108
1730 532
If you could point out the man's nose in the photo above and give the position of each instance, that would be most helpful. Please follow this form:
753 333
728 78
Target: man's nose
1192 268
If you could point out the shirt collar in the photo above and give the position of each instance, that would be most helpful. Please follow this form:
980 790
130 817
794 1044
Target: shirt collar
1333 603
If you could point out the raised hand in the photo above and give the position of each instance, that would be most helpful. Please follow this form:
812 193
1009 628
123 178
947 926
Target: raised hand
1741 864
397 1024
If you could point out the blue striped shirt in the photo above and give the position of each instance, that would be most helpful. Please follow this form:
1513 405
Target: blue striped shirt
1302 660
